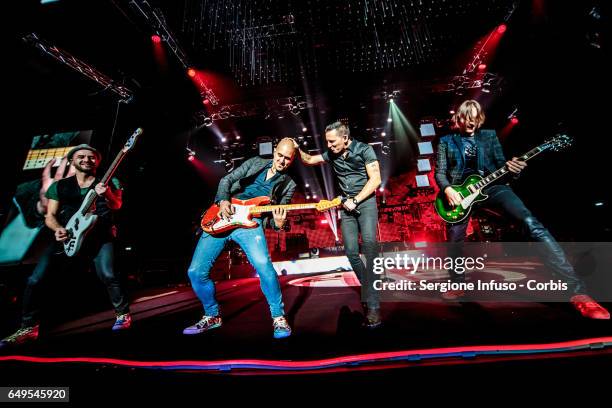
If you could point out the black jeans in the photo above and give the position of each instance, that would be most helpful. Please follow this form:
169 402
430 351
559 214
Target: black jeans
502 197
367 224
102 253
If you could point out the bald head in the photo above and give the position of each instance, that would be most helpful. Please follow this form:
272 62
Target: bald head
284 154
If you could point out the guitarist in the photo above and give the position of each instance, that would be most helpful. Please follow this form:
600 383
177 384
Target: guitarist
472 150
63 198
358 174
256 177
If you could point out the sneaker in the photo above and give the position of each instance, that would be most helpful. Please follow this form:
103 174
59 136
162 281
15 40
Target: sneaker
281 327
206 323
372 318
589 308
21 336
123 322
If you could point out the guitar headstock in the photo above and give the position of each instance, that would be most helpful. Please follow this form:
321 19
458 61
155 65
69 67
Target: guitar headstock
558 143
132 140
324 205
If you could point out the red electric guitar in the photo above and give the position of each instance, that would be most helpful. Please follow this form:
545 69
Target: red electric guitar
245 210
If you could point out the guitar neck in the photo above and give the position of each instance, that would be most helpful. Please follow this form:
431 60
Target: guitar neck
491 178
288 207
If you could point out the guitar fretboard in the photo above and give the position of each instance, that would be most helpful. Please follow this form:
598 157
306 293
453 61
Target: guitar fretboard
504 170
38 158
270 208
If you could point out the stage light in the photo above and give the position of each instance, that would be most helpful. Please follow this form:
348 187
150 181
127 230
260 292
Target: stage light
514 120
501 29
382 189
191 72
427 129
306 185
308 197
304 129
314 197
423 165
389 120
452 112
383 134
237 137
206 101
422 181
156 38
323 221
425 148
599 204
223 139
482 67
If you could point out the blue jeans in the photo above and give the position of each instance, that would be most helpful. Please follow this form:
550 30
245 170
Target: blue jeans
253 242
367 224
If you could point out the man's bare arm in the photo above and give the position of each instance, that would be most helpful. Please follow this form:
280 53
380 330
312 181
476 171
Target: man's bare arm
374 180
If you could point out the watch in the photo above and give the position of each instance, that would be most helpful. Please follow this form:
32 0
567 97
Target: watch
355 200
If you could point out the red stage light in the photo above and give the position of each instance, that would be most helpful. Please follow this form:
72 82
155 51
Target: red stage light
514 120
156 38
501 29
323 221
191 72
206 101
482 67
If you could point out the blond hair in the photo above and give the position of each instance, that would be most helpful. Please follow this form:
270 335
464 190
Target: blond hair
465 112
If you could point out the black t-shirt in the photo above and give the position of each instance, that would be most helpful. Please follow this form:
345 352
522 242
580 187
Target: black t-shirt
351 170
469 152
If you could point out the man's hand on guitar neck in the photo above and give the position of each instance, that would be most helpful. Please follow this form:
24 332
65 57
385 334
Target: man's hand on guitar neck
225 210
453 197
515 165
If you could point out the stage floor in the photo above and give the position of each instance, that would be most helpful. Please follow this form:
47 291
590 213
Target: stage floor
325 321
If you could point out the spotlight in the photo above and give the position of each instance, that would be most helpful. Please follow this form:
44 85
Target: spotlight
314 196
237 137
191 72
304 129
306 185
389 120
308 197
482 67
382 189
383 134
514 120
156 38
224 139
452 112
190 154
206 101
501 29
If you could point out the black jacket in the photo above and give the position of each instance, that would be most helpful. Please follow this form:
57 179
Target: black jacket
236 181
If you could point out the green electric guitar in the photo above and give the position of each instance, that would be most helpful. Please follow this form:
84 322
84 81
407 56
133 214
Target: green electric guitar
471 189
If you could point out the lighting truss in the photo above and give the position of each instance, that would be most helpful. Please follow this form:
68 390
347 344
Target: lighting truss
81 67
156 20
